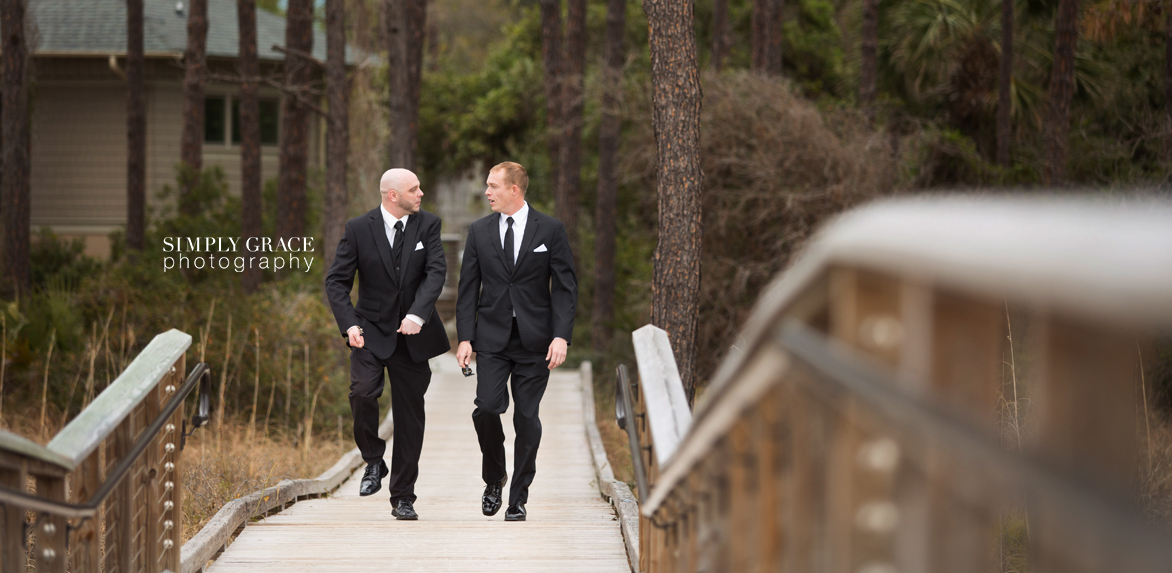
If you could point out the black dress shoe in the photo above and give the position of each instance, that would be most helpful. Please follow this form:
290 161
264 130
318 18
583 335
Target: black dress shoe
490 502
515 512
404 511
372 478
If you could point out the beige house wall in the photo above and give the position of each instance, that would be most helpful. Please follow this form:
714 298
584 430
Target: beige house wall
78 156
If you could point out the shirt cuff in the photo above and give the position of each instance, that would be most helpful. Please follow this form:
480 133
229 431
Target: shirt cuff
353 327
415 319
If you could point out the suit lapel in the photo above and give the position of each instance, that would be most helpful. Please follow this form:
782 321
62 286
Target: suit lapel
530 231
378 228
409 233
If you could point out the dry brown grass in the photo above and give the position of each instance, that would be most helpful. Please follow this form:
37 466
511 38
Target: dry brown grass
213 476
1155 477
618 451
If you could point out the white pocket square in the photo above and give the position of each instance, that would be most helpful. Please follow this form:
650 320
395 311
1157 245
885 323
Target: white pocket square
419 246
540 249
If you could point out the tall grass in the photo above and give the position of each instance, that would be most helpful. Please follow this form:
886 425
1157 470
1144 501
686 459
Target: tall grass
216 473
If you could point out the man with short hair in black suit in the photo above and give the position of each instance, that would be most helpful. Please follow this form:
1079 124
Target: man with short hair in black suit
396 251
515 308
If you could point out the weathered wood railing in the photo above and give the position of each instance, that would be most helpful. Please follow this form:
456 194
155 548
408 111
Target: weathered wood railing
854 427
108 487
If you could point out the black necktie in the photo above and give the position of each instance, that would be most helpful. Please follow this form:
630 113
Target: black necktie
509 244
397 249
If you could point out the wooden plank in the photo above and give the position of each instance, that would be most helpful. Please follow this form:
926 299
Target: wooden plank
1087 408
619 494
659 380
84 544
570 527
12 554
22 447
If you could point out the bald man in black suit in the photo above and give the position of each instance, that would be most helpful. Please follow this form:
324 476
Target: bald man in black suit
397 253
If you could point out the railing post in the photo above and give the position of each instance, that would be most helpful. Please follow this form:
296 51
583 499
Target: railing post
50 555
12 554
84 546
1087 406
119 527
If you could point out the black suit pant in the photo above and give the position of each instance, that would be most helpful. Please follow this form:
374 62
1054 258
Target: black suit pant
409 382
530 373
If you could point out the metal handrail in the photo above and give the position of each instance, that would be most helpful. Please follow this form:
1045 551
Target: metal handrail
624 406
200 374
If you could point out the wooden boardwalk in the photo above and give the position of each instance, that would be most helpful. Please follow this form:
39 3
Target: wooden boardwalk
570 527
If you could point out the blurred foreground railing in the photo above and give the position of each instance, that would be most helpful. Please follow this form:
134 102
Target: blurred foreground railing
854 428
106 492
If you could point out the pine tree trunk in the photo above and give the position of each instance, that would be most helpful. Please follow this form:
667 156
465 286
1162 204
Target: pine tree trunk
608 149
195 63
566 206
14 149
1060 93
1168 82
720 39
676 95
551 59
291 201
416 36
775 37
250 170
135 127
405 21
334 218
868 68
759 31
1005 84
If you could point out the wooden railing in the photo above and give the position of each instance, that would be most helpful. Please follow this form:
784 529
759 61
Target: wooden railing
854 427
107 489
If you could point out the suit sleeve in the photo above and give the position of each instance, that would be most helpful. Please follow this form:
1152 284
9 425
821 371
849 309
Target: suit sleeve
340 281
468 297
435 271
563 286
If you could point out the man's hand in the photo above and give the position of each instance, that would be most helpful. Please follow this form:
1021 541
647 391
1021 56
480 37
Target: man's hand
355 335
557 353
408 327
464 353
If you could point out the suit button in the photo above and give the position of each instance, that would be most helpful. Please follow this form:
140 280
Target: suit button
510 307
510 284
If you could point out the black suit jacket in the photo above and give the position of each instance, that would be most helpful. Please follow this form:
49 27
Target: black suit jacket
386 296
542 288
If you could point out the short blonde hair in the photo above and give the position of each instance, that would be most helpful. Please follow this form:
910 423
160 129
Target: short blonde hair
514 174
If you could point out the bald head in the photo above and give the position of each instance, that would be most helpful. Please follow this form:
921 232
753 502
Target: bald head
400 192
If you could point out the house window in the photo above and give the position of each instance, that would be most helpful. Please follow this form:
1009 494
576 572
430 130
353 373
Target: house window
214 121
268 121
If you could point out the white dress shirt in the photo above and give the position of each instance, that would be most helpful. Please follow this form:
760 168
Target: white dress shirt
519 220
389 221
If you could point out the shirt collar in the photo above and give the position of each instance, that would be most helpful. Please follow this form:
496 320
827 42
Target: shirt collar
522 214
390 219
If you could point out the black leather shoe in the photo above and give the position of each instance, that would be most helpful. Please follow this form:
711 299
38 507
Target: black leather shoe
372 478
404 511
515 512
490 502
